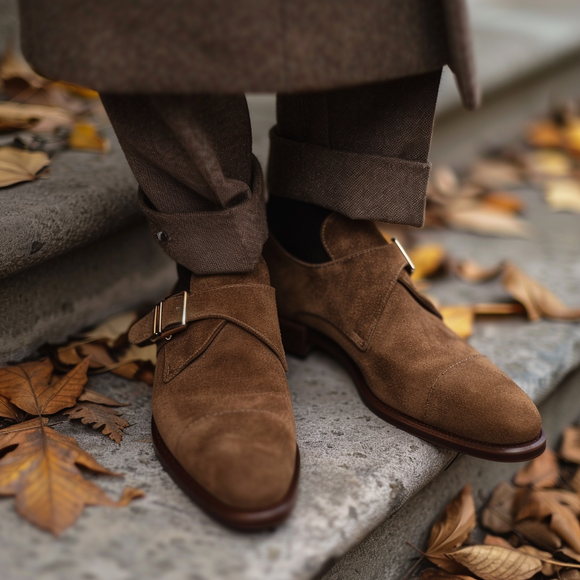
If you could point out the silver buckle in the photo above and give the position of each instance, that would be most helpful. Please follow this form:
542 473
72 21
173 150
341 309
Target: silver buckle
159 331
405 255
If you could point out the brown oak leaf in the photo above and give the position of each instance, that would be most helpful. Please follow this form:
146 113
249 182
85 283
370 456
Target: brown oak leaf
498 515
100 417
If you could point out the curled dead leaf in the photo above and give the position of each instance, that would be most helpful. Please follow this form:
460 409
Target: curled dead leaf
547 567
437 574
561 506
498 515
563 194
486 221
490 540
90 396
504 200
537 299
17 165
539 534
570 446
493 174
451 530
542 472
471 271
497 563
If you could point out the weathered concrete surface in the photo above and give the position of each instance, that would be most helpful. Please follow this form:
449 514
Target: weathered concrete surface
357 470
385 555
88 196
59 296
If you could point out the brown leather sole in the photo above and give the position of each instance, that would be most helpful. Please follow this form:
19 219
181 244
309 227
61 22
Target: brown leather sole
238 519
299 340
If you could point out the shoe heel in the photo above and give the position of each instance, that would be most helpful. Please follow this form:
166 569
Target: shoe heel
295 338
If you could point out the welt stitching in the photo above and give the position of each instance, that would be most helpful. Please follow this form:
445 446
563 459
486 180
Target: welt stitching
428 399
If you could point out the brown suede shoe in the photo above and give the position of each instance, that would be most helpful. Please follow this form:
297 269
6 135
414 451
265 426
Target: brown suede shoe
409 368
223 425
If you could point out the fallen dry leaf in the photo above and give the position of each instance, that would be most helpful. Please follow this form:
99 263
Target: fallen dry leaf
9 411
100 417
490 540
494 174
94 397
452 529
485 220
444 181
28 386
537 299
567 555
498 515
110 330
504 200
129 494
497 563
563 194
37 118
17 165
459 319
42 473
570 574
547 567
544 134
539 534
548 163
86 137
437 574
570 446
471 271
427 259
542 472
561 506
498 308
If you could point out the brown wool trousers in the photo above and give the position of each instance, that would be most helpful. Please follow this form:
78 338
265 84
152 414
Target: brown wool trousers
361 152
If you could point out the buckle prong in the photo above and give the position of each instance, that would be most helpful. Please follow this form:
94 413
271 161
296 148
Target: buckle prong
405 255
159 331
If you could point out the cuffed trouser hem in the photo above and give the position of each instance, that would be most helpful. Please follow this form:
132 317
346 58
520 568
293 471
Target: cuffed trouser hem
357 185
226 241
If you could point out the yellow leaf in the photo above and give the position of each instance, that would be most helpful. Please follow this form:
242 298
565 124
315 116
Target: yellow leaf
85 136
452 530
563 194
549 163
459 319
427 259
18 165
537 299
497 563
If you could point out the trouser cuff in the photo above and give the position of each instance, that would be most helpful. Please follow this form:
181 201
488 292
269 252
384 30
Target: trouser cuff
356 185
223 241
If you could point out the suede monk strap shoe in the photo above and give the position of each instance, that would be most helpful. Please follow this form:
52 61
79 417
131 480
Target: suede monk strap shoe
409 368
223 425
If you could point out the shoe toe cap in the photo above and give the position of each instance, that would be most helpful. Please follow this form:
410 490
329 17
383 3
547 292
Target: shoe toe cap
476 400
246 459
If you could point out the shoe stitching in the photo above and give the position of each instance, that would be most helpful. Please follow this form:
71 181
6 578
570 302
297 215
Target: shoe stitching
432 387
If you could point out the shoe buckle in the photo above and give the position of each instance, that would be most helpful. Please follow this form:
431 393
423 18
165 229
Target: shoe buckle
405 255
166 332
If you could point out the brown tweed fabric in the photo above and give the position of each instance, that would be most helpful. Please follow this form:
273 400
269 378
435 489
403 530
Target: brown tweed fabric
235 46
201 188
361 152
